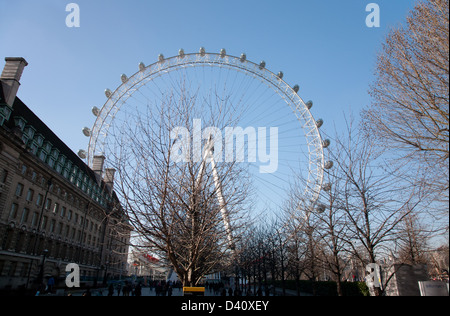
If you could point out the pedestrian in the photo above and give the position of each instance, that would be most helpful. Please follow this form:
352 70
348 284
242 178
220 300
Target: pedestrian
50 285
138 290
119 287
88 292
230 292
126 289
158 289
169 291
111 290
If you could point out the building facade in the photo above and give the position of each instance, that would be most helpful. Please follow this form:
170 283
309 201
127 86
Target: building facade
54 209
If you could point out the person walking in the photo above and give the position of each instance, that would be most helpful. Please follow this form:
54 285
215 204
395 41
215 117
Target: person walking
111 290
50 285
138 290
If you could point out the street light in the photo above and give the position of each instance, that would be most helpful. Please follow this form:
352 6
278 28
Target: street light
41 271
37 234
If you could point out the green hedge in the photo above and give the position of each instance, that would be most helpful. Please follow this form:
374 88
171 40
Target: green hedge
328 288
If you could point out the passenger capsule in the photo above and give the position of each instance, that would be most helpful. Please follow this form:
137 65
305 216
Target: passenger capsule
82 154
319 123
87 132
95 111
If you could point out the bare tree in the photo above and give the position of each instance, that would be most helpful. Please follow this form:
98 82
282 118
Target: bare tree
412 241
410 110
332 226
186 211
374 198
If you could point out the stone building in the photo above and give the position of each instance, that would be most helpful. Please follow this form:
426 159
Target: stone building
54 209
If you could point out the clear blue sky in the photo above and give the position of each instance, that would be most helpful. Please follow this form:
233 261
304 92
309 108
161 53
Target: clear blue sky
324 46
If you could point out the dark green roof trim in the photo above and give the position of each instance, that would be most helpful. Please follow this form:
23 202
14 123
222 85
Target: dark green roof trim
21 113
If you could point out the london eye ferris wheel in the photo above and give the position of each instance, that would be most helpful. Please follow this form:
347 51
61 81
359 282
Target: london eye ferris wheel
252 115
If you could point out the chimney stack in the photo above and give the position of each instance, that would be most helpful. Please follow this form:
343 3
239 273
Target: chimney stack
97 167
109 179
10 78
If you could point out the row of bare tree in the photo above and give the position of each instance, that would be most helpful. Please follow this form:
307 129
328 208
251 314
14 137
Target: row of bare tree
373 214
388 194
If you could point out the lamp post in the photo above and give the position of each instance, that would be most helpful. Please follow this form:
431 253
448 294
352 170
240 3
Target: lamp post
41 271
37 234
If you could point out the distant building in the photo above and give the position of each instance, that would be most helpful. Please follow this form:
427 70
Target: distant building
142 264
54 209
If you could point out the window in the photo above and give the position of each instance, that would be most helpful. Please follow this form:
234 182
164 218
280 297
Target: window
51 162
48 204
43 155
69 216
35 219
66 173
56 208
63 211
74 174
34 148
60 228
3 176
19 190
39 139
20 122
13 212
39 200
58 167
24 217
30 195
52 226
44 222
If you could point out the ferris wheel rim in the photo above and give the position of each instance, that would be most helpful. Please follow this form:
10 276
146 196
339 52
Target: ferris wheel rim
315 143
